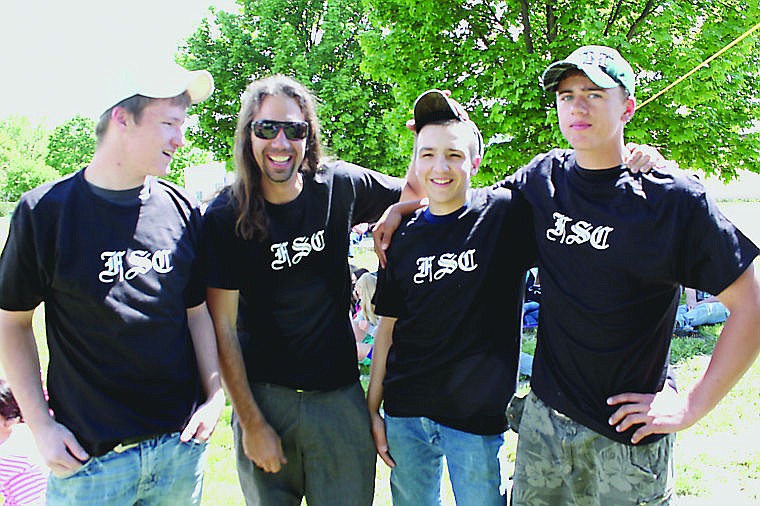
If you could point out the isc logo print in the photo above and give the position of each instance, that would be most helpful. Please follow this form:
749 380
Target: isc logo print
288 255
580 232
428 270
121 265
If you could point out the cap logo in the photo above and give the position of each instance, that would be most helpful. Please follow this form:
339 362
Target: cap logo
596 58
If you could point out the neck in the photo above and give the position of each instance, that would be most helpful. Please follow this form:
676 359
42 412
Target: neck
598 159
5 431
444 208
111 173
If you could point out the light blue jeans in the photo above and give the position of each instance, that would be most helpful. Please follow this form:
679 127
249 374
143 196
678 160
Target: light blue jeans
162 471
418 446
702 314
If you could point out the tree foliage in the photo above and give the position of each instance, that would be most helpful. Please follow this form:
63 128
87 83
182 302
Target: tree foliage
23 148
315 42
490 54
71 145
367 60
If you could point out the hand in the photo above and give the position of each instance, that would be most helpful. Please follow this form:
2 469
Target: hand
204 420
660 413
263 446
643 158
383 230
59 447
381 442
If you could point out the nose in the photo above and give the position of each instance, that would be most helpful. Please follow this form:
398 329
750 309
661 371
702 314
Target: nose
179 138
580 105
280 139
441 164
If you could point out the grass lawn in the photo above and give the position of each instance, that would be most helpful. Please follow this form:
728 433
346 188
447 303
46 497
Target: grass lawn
717 460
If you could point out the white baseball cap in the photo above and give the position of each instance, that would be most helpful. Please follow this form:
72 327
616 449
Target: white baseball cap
165 81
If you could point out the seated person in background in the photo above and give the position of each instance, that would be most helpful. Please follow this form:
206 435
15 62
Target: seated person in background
532 299
365 321
701 308
23 474
356 273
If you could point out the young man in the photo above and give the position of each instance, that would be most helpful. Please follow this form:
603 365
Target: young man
278 251
596 427
450 299
112 253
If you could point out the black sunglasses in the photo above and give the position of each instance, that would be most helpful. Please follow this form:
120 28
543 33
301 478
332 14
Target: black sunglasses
267 129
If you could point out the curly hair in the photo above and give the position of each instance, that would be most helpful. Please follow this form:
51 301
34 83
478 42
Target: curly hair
247 198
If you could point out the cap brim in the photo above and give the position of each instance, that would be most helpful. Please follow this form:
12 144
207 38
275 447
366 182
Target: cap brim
432 106
553 75
157 82
201 86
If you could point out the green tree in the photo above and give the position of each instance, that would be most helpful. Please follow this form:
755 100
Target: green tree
490 54
23 148
317 43
24 174
71 145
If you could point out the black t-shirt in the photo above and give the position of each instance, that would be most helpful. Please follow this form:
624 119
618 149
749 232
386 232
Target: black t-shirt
116 281
614 249
455 283
295 288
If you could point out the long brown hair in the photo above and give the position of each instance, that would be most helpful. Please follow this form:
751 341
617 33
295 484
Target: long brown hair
251 222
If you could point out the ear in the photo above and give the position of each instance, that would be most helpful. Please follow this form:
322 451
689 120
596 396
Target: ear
120 116
630 108
475 165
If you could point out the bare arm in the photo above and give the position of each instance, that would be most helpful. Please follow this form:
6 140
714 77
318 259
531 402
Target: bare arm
383 341
691 297
18 350
204 420
736 350
389 222
260 442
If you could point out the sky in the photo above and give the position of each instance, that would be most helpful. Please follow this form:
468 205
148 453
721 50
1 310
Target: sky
55 54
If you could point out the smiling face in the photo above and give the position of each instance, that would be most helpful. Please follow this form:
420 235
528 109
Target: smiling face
151 141
592 119
444 163
278 158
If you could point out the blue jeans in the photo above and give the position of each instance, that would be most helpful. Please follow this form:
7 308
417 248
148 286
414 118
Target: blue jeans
702 314
530 314
418 446
162 471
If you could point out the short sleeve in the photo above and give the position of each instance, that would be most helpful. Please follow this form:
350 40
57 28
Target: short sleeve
388 298
716 253
21 277
222 260
375 192
195 292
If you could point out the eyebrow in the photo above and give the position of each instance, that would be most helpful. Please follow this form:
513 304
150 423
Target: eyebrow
587 88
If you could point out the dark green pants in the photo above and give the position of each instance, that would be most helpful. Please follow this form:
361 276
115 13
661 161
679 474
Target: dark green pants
327 440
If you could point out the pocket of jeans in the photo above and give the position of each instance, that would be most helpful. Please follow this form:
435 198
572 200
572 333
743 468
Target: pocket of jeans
81 469
195 443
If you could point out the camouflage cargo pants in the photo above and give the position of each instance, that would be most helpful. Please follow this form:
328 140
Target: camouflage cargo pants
560 462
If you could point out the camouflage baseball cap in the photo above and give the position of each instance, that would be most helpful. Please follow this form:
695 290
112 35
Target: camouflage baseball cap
602 64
